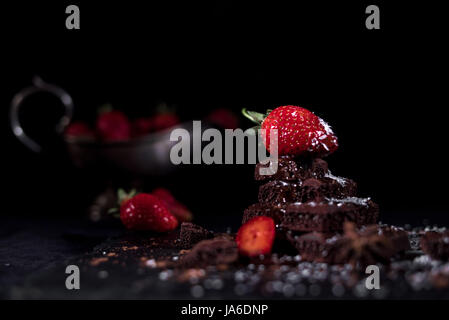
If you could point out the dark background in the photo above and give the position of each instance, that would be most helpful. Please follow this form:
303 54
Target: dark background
383 91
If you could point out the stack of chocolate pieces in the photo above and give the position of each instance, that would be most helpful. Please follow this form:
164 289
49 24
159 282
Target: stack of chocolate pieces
322 216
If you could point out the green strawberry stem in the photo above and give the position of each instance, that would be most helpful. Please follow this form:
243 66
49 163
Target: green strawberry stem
122 195
255 117
164 108
107 107
114 212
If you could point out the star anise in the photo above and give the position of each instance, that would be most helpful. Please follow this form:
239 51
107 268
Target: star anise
362 248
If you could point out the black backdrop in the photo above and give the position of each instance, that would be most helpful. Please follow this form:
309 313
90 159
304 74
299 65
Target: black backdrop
382 91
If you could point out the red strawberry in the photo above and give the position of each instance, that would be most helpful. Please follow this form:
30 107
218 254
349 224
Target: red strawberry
113 126
163 121
300 131
223 118
256 236
146 212
79 130
174 206
142 126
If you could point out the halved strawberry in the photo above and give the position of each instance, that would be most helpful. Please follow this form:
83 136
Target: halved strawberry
256 236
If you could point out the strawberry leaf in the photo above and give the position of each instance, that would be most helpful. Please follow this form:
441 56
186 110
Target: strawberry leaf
252 131
163 108
122 195
107 107
255 117
113 210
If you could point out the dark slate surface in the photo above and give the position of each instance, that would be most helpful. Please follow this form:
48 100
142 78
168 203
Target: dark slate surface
115 265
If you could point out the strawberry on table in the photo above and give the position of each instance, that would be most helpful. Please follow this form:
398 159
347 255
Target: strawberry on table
256 236
300 131
179 210
145 212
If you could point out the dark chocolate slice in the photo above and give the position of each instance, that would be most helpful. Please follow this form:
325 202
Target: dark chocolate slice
313 246
397 235
278 192
288 169
335 187
293 169
436 244
318 168
262 209
191 234
329 215
311 189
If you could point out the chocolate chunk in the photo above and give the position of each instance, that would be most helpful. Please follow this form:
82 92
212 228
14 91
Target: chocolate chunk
313 246
315 190
337 187
436 244
293 169
278 192
318 168
282 244
289 169
263 209
210 252
191 234
225 235
311 189
329 215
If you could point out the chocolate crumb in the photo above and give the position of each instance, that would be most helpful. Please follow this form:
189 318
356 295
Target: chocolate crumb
96 261
210 252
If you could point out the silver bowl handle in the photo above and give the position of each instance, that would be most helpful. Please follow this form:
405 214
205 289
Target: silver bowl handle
39 86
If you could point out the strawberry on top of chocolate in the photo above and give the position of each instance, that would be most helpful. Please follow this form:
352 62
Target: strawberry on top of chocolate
300 131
